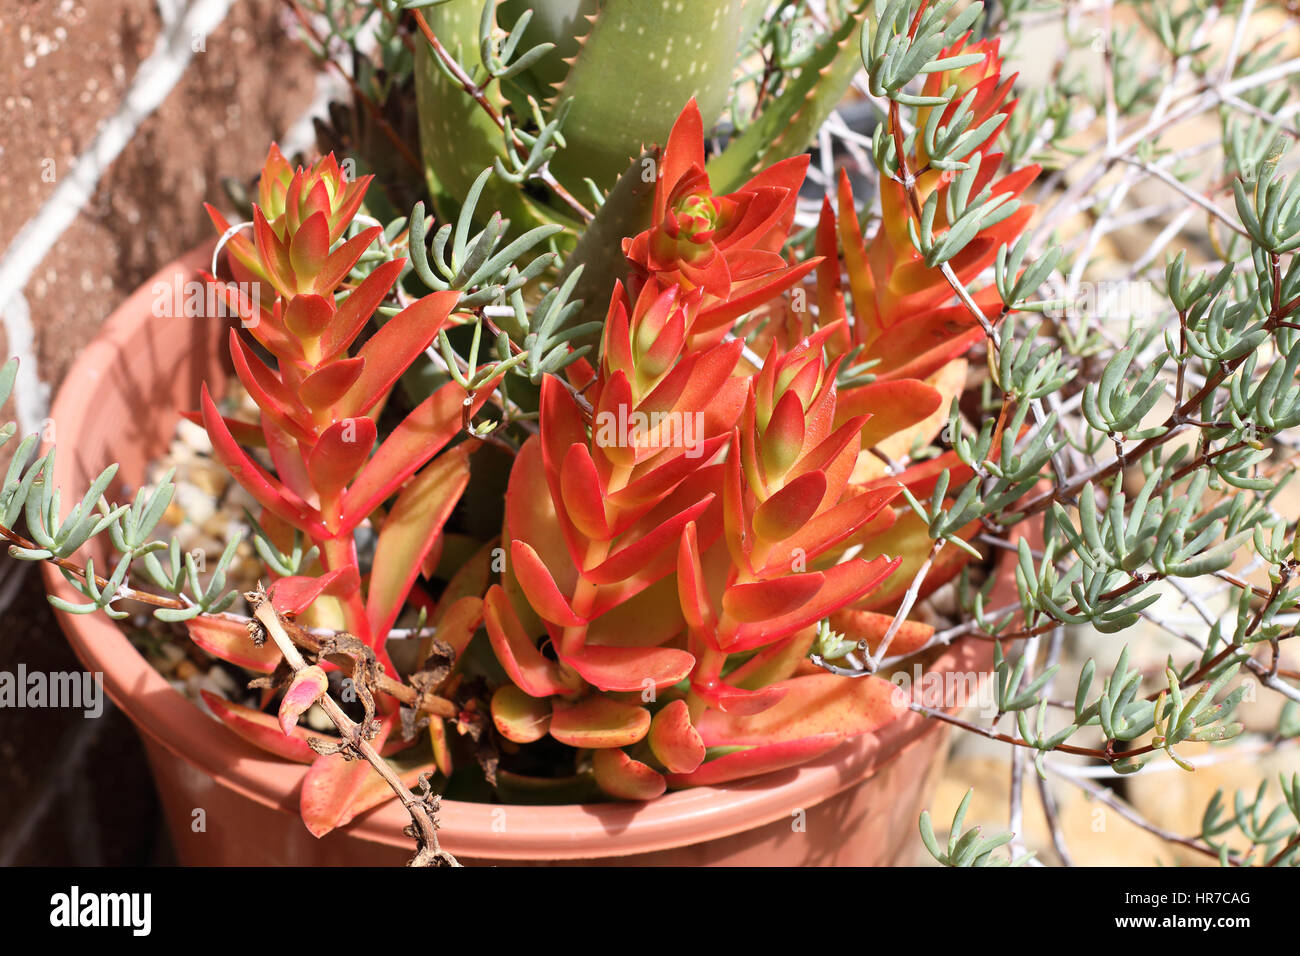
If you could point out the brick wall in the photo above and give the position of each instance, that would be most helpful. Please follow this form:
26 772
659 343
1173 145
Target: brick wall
78 74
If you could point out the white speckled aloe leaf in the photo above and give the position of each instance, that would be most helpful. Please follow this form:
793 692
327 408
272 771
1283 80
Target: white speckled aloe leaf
562 22
641 62
458 140
789 122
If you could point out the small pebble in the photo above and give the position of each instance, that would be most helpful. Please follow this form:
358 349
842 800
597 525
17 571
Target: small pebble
194 436
944 601
316 719
174 516
218 527
221 678
210 478
198 506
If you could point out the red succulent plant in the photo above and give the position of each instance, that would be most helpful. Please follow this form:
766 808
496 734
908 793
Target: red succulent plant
609 540
900 316
319 402
684 516
899 327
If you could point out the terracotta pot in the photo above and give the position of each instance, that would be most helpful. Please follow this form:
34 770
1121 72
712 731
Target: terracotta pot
229 803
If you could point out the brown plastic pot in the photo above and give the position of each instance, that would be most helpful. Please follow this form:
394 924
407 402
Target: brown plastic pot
229 803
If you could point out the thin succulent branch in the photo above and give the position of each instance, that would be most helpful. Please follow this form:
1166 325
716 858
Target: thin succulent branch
476 92
1116 525
307 639
356 738
376 113
1107 796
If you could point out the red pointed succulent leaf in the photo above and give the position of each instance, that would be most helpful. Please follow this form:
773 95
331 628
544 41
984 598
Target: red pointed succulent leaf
317 401
598 722
373 792
900 320
811 705
891 285
320 398
618 497
751 761
304 690
293 595
788 465
530 670
594 510
262 730
872 627
901 324
333 791
725 247
227 639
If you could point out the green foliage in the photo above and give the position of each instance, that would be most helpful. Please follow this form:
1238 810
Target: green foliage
899 47
969 848
1152 440
482 268
1151 449
816 82
965 215
29 494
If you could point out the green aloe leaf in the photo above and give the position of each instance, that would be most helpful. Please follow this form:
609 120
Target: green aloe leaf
789 122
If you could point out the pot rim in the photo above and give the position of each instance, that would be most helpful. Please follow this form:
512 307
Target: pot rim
478 830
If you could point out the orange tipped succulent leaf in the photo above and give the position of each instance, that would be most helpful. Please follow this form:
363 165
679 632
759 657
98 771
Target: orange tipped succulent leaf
728 246
319 398
891 284
899 323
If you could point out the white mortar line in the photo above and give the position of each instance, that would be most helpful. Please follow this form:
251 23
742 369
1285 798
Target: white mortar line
153 81
301 136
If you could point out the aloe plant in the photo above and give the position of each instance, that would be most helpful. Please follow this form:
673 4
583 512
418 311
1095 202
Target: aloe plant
600 80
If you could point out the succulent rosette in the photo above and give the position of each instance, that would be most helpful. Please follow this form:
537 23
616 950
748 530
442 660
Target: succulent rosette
646 659
729 246
319 400
898 298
